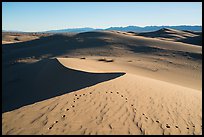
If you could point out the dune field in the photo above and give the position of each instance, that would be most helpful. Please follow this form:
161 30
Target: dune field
103 82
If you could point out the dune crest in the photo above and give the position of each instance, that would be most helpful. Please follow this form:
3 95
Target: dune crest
49 79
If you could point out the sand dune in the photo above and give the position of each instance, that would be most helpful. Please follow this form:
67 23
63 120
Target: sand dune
189 37
101 83
125 105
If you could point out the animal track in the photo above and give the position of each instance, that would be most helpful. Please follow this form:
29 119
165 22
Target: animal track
125 98
72 106
167 126
50 127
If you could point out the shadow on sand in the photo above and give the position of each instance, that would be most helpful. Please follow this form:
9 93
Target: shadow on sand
44 80
151 50
52 46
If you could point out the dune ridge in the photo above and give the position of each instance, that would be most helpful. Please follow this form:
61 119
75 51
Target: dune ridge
189 37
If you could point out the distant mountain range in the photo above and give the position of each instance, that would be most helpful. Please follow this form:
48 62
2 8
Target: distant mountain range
155 28
128 28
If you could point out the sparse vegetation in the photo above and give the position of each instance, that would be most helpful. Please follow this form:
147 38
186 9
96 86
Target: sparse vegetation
16 39
106 60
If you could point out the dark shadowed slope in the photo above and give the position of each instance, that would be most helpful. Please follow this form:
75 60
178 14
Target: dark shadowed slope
44 80
50 46
197 40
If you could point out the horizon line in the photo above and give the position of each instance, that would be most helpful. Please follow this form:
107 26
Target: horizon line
101 28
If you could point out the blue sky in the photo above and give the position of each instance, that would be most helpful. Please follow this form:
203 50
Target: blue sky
42 16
